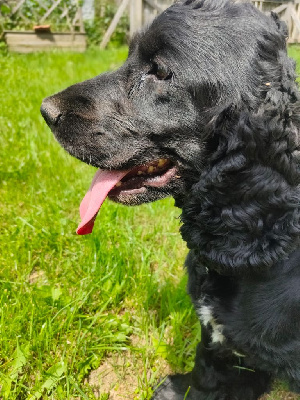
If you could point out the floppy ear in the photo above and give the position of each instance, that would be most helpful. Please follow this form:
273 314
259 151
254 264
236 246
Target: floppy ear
244 213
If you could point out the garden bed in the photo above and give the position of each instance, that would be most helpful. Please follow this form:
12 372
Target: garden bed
30 41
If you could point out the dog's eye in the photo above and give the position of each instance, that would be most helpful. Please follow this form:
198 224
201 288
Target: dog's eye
161 71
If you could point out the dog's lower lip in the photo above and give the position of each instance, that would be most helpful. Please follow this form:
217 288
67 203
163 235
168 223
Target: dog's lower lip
137 185
129 192
162 180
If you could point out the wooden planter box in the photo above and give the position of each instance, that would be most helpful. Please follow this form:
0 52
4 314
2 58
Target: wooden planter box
29 41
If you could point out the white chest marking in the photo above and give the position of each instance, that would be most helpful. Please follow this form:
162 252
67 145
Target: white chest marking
206 317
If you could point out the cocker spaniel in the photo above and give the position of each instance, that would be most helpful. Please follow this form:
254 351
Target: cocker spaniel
206 109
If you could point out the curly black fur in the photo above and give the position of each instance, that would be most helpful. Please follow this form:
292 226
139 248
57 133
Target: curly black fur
244 213
210 87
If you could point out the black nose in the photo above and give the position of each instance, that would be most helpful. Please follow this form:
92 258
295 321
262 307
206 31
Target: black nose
51 112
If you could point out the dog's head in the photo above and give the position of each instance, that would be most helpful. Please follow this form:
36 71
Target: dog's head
153 126
154 116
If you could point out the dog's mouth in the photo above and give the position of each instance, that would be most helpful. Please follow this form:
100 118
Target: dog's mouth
155 174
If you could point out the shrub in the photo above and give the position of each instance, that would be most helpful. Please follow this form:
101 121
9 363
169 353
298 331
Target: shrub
32 11
104 13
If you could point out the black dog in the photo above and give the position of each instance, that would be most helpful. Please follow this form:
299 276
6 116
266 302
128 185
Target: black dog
206 109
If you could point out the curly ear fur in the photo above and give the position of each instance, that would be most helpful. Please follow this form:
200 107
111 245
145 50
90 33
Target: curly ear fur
244 212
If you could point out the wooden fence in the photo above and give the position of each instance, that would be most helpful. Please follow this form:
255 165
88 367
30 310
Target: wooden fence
60 12
142 12
288 11
28 28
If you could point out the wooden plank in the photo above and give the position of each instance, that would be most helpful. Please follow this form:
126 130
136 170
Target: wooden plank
26 42
17 7
295 18
298 15
136 16
295 30
52 8
79 17
23 17
42 4
287 18
64 13
114 23
279 9
278 1
155 6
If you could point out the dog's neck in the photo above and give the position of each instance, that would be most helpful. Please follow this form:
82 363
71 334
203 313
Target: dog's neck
244 212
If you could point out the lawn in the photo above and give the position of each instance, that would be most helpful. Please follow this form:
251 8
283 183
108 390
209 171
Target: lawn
71 305
81 317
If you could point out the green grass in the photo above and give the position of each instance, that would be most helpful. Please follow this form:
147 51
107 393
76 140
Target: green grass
68 303
79 316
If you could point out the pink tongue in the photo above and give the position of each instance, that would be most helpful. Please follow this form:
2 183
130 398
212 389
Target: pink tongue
102 183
